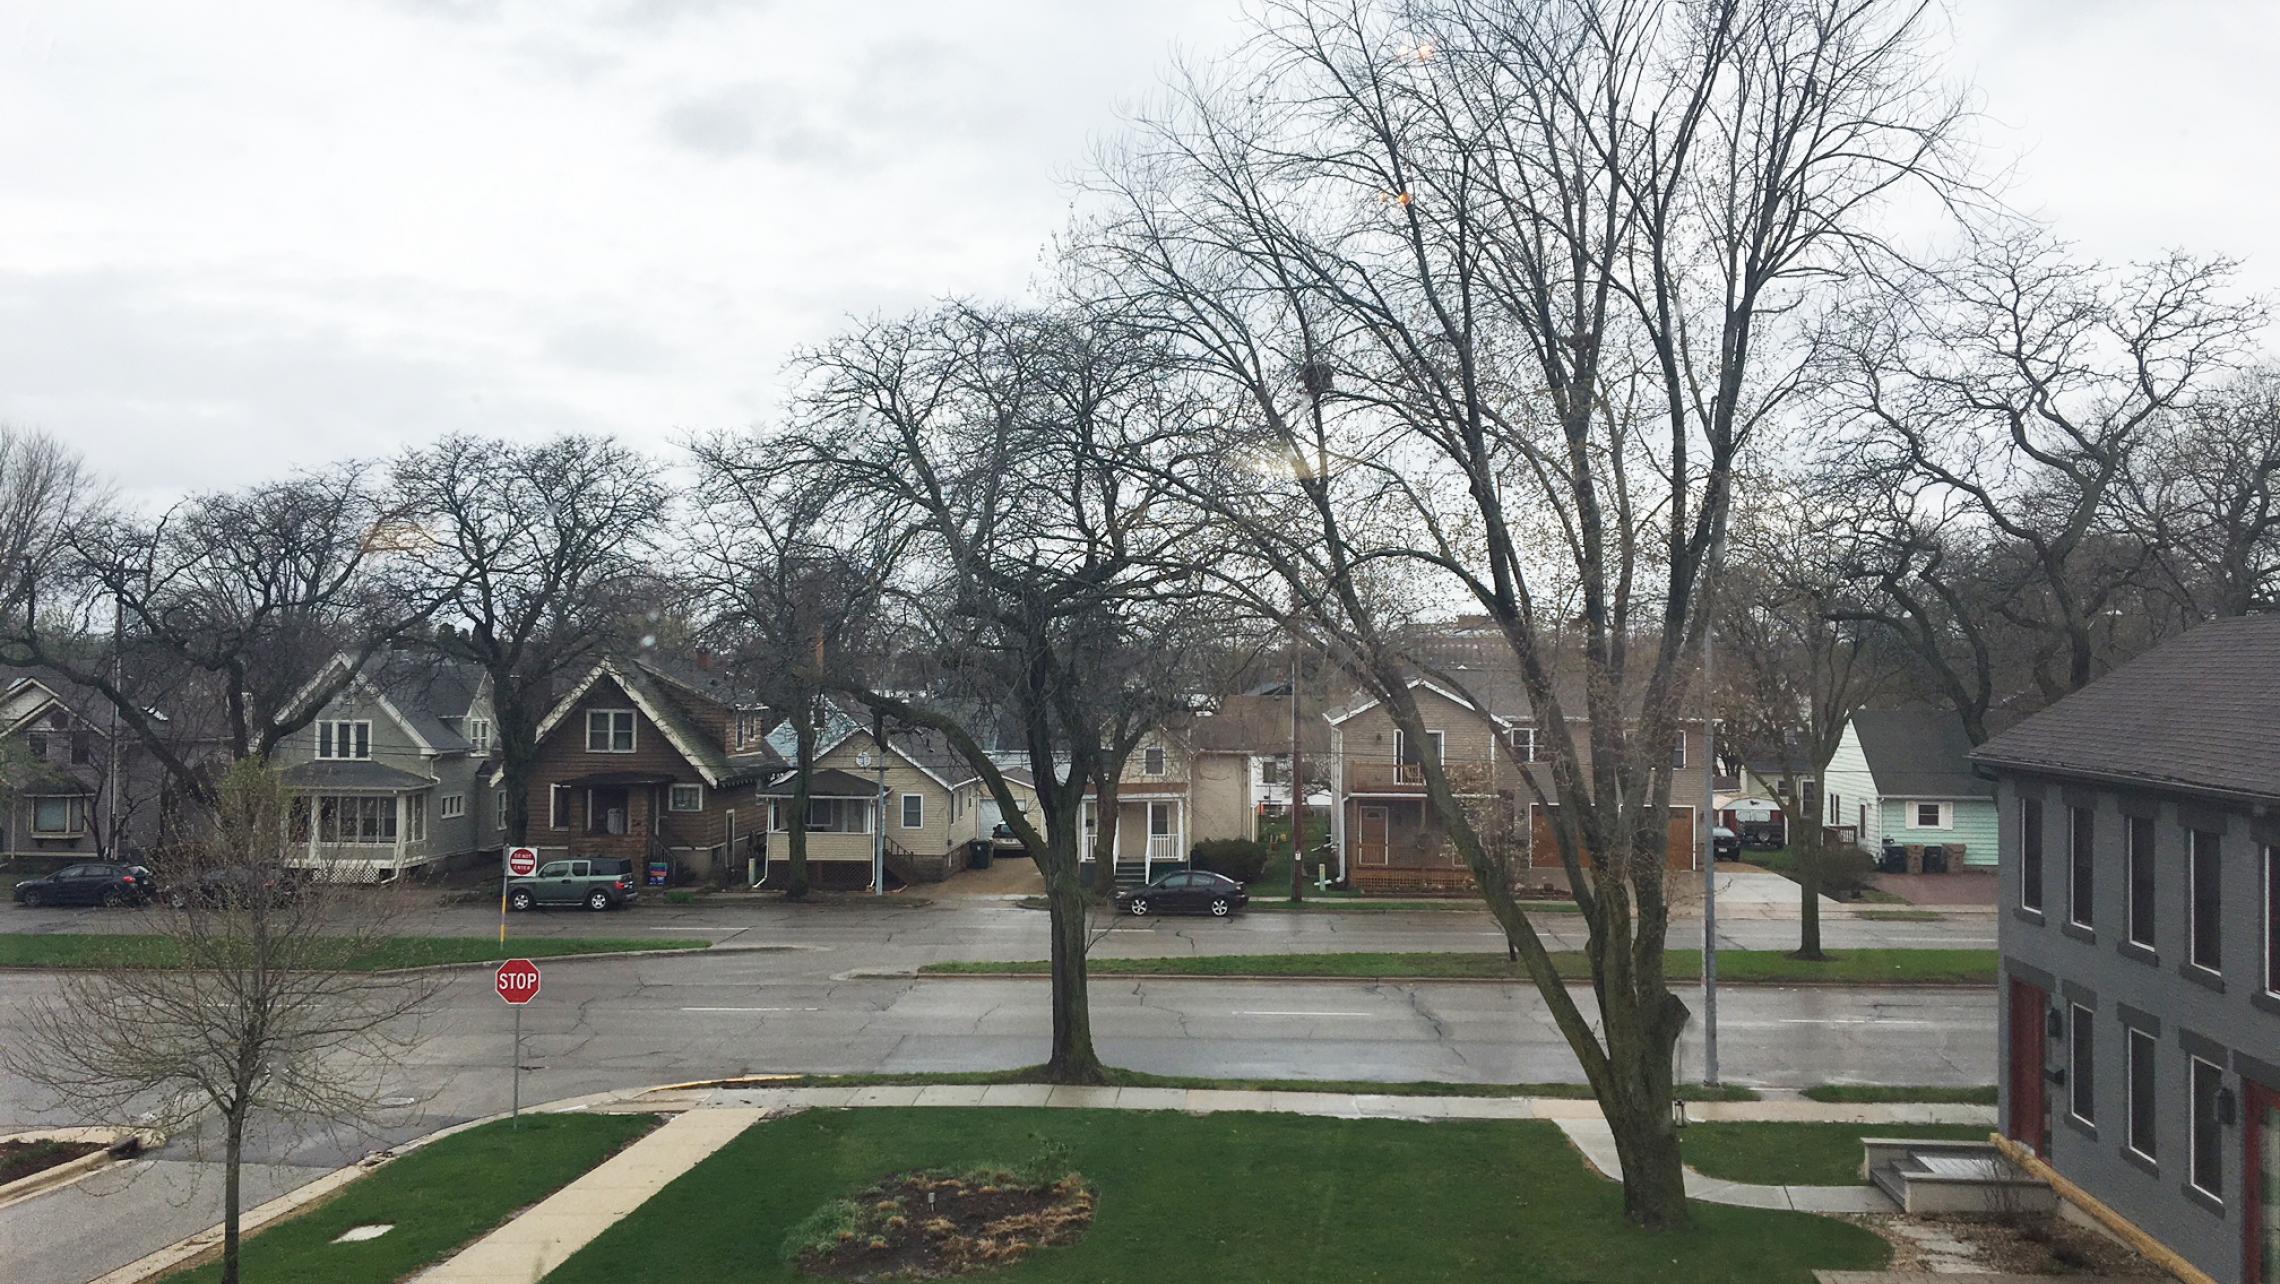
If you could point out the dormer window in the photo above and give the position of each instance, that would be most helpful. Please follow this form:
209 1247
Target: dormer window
479 734
1152 761
344 739
609 731
1523 741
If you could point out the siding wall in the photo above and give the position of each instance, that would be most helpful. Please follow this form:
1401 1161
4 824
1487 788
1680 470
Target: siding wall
1972 824
693 836
2232 1022
936 834
1851 786
1220 791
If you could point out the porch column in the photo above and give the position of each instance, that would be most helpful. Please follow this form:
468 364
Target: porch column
403 824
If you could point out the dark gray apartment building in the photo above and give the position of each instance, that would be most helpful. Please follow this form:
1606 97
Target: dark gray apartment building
2140 835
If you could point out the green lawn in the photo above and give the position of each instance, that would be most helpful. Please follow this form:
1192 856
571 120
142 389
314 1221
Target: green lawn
1800 1154
1891 967
439 1198
1877 1094
1141 1079
99 950
1261 1199
1335 905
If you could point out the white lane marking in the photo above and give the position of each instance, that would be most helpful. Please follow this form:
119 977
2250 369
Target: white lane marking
1328 1014
1855 1021
752 1009
697 929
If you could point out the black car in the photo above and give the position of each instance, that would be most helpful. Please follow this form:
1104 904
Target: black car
1188 889
89 883
1725 844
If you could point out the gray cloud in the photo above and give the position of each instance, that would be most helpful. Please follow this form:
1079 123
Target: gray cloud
751 119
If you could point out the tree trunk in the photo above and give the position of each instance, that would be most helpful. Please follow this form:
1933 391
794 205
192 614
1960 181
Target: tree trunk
1105 825
516 739
1809 894
795 827
1073 1059
233 1158
1646 1143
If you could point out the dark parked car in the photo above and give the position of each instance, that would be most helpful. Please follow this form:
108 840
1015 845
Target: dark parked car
598 883
236 884
1725 844
89 883
1187 889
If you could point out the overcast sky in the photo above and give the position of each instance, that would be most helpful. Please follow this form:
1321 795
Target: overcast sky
237 237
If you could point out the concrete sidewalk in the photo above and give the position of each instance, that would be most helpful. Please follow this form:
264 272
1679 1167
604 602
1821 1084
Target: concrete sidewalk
1597 1142
541 1239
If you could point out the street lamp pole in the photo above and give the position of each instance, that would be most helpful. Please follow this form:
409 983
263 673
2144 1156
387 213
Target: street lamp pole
1710 810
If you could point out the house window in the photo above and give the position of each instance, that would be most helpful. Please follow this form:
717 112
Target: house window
914 811
1159 820
2142 1051
36 743
2081 882
415 817
686 798
825 816
609 731
2082 1065
1152 761
1412 767
2205 912
2030 854
1935 815
479 734
356 820
1524 743
1678 753
2207 1161
748 725
60 816
499 809
82 748
342 739
2272 920
1836 808
2141 862
558 806
452 807
1270 771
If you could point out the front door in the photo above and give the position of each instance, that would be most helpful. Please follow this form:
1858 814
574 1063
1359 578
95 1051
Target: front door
2263 1187
1373 842
2030 1114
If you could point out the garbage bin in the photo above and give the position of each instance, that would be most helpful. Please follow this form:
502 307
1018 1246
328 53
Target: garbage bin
1891 858
1935 859
978 854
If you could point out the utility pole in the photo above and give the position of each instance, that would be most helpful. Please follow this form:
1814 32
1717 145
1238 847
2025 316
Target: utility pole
1297 788
1710 809
879 839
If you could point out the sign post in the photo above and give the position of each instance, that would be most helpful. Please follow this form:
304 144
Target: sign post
517 983
522 862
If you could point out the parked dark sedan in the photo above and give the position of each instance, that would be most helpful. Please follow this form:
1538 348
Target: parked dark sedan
1188 889
1725 844
88 883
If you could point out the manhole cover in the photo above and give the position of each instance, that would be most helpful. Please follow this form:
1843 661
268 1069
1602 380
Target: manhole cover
358 1234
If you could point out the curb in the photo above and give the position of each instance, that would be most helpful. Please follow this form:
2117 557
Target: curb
195 1249
1723 982
686 951
70 1171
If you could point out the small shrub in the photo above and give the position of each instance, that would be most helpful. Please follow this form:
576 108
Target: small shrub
1845 872
1241 859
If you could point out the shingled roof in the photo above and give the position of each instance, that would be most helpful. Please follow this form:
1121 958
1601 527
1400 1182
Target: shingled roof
2196 713
1919 753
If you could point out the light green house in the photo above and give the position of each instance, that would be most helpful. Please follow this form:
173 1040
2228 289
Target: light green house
1905 775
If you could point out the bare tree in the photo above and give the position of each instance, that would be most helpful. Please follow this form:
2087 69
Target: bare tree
46 493
541 547
1998 405
788 606
253 1007
1494 294
228 602
997 456
2206 499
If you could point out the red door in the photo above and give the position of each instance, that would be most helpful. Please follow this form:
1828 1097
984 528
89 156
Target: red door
2030 1114
2263 1186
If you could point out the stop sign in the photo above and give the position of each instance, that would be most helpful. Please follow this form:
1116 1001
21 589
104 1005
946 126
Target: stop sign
518 981
522 862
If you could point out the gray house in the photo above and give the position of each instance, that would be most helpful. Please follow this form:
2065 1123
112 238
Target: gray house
2140 935
390 774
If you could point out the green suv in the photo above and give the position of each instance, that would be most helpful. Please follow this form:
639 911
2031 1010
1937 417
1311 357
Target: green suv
598 883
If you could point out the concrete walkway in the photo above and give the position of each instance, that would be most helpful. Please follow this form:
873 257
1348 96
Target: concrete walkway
533 1244
1597 1142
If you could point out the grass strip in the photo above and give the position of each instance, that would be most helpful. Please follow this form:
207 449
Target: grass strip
1875 1094
92 950
1264 1199
1141 1079
1317 904
1850 967
436 1199
1800 1154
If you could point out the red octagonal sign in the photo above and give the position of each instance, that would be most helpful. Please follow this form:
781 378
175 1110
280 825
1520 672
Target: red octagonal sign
518 981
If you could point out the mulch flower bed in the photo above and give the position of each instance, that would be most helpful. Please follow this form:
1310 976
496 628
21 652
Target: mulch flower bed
20 1159
931 1225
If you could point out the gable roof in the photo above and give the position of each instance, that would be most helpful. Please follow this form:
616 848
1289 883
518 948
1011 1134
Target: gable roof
648 691
2195 713
1918 753
417 689
1255 724
1340 716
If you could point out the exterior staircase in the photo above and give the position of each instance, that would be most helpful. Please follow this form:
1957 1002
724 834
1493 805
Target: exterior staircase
1952 1177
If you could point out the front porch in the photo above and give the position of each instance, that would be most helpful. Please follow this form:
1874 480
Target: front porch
1151 829
1399 845
360 821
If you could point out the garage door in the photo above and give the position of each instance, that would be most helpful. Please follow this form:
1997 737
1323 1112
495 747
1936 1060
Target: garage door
1544 848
